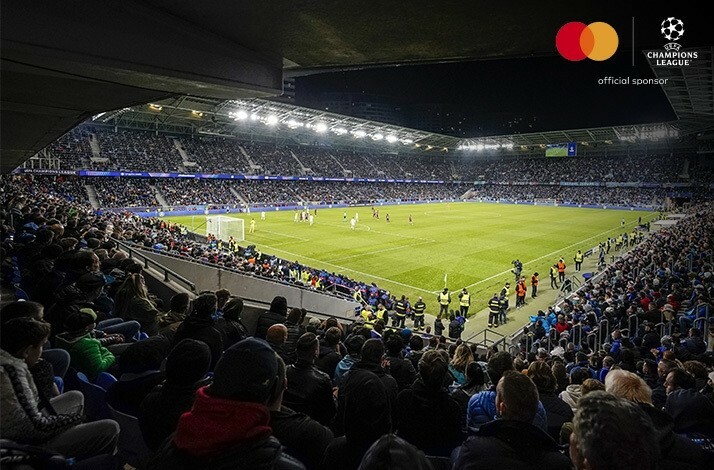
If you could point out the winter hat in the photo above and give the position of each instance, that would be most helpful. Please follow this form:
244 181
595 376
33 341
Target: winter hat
188 362
90 282
247 371
80 319
279 305
392 452
144 356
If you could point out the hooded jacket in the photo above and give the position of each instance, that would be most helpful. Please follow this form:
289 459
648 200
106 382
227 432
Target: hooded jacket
223 434
571 396
87 353
22 420
420 405
513 445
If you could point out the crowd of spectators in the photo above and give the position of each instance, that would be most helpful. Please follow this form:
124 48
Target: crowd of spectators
189 192
147 151
301 392
124 192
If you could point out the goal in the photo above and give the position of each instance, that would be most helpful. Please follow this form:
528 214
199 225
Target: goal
225 227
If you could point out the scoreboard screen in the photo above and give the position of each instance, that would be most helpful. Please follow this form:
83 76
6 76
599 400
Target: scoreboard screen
567 149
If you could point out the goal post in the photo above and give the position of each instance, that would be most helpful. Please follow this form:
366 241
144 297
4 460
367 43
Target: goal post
225 227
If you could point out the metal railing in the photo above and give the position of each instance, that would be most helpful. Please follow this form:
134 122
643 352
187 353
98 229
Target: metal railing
148 263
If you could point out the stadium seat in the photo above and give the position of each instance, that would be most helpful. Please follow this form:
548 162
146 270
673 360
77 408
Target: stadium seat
132 448
95 402
587 276
105 379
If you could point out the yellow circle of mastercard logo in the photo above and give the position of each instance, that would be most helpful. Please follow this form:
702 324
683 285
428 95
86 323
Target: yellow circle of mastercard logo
596 41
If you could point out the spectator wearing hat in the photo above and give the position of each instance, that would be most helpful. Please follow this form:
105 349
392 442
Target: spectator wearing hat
309 390
229 423
139 372
276 314
87 353
428 400
186 368
200 325
502 443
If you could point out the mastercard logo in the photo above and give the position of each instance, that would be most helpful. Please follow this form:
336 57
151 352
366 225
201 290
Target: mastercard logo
576 41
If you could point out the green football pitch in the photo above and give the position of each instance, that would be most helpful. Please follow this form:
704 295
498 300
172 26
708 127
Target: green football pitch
471 244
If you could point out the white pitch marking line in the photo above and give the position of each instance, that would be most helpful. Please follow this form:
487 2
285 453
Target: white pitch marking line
382 250
387 233
286 235
540 258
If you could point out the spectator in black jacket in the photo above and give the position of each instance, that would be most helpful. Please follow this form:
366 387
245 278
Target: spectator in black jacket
186 367
557 411
401 369
199 325
512 441
366 417
277 314
309 390
302 437
427 416
295 330
230 325
329 355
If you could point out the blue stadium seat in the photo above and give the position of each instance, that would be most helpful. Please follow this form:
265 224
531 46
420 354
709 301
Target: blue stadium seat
131 448
95 402
105 379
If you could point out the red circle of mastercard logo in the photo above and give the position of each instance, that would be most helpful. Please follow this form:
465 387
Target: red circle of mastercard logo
596 41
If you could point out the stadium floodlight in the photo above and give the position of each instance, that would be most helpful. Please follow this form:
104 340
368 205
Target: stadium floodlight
155 107
320 127
391 139
239 115
271 120
407 141
254 117
293 124
377 136
339 130
359 133
480 147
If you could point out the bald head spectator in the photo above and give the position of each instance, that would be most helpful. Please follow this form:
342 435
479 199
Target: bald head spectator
502 443
276 336
309 390
610 433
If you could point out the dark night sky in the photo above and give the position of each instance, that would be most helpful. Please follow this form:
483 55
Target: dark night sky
548 93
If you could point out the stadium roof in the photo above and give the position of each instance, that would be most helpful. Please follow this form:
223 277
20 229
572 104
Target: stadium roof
267 119
63 62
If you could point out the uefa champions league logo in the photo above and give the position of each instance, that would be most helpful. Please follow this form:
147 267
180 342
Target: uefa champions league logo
672 29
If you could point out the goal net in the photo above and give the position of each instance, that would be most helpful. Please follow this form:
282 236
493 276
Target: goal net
225 227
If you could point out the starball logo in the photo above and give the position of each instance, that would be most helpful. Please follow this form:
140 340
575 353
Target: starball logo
673 30
576 41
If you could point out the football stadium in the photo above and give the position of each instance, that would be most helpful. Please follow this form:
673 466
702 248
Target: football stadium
356 236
